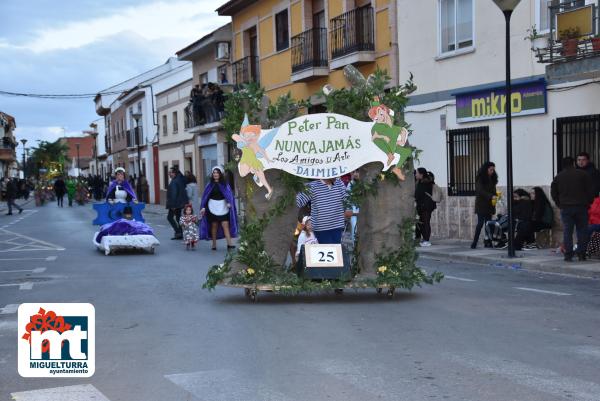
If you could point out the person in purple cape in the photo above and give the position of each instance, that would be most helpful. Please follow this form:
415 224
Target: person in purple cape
120 190
219 216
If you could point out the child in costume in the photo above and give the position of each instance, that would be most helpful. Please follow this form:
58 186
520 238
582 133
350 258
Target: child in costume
307 236
189 225
388 137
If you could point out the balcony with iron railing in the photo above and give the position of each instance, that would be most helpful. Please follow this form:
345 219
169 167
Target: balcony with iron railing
246 70
132 140
309 55
352 36
206 108
572 47
7 149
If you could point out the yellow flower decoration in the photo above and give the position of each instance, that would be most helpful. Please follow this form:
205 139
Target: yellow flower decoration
250 271
381 177
382 269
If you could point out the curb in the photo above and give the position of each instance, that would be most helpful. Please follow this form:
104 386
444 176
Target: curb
574 269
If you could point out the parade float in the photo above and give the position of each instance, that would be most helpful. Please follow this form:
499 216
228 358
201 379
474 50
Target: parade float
120 216
279 151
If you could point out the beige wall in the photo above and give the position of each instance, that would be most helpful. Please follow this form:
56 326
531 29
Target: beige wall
174 100
418 44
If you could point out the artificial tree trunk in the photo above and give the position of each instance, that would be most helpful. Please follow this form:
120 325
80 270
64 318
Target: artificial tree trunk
279 233
382 215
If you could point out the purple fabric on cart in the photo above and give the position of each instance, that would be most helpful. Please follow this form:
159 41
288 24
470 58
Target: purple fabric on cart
124 227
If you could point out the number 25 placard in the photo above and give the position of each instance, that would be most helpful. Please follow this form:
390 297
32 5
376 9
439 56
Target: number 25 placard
324 255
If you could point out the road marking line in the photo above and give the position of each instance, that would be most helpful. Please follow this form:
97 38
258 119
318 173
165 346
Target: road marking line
36 270
9 309
22 286
83 392
26 286
459 279
542 291
8 325
48 259
51 258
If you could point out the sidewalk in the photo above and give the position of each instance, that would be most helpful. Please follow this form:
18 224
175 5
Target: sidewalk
543 260
153 208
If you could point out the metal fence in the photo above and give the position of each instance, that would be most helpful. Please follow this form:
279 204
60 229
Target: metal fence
352 31
309 49
578 134
468 149
246 70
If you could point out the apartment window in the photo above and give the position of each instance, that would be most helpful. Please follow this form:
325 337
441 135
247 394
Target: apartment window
468 149
165 175
204 78
164 125
175 122
455 25
282 33
542 13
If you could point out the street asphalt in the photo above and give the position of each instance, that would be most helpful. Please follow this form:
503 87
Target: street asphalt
484 334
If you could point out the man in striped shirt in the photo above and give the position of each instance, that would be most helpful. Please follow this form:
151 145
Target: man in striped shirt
328 211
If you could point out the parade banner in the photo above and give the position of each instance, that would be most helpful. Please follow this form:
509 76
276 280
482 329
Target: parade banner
322 146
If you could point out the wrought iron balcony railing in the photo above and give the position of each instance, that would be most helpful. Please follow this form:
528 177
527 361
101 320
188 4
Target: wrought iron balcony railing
352 32
579 40
246 70
309 49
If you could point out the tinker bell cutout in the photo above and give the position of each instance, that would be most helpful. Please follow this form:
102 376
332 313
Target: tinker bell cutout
253 147
388 137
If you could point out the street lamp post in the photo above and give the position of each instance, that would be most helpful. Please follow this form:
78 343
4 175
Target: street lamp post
24 141
78 171
94 134
137 116
507 7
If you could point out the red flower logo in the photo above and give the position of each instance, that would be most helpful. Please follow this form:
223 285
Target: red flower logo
44 321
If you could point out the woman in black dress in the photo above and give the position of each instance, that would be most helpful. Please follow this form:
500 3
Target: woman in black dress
218 211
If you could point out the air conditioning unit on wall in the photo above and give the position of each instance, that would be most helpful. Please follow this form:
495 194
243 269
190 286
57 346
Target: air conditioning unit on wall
223 51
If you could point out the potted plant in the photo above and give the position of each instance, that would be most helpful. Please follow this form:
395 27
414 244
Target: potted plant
596 43
539 42
570 41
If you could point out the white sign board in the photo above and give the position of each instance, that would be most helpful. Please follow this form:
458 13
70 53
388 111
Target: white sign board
323 255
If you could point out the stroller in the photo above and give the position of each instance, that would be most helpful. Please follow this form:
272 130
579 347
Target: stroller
496 232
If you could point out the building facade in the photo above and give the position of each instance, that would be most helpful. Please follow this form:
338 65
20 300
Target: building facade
299 46
80 154
211 63
456 51
8 154
175 144
131 123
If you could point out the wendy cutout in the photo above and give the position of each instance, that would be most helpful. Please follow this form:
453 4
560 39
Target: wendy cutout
253 148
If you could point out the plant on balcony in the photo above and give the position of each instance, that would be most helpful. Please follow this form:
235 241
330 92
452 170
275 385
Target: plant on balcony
570 41
538 41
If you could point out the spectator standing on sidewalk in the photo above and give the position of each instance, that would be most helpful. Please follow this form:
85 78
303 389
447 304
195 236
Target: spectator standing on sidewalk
11 195
485 197
191 188
176 200
584 163
425 205
573 191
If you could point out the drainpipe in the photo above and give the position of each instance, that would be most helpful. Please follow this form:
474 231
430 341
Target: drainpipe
394 52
